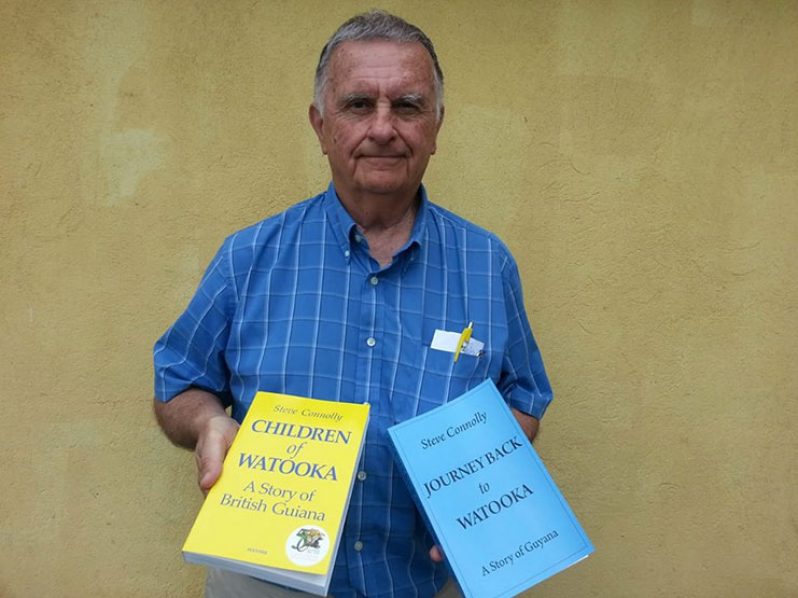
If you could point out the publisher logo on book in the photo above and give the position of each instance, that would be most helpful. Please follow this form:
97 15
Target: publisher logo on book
307 545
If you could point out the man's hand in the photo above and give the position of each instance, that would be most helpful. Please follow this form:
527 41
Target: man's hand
195 419
212 446
528 423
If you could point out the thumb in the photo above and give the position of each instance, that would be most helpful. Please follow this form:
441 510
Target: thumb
209 467
211 450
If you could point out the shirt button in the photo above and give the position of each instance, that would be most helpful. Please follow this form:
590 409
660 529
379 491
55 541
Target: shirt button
346 253
374 281
361 475
358 546
371 341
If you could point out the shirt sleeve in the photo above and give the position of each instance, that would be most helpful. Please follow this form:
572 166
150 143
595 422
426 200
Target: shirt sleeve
523 383
191 351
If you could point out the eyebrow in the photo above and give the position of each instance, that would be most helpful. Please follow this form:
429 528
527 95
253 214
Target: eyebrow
412 98
355 96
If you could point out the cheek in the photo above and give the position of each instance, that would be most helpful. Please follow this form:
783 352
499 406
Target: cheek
338 139
426 137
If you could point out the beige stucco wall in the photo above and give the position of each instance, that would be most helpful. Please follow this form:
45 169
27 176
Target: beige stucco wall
639 157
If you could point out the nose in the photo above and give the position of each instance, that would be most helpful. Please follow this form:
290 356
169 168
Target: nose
382 129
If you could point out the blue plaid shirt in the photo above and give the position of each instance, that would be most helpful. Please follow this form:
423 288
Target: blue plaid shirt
296 305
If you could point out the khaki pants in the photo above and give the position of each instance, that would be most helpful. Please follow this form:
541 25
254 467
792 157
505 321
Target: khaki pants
224 584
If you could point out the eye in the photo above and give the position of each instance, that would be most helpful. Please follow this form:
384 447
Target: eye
358 105
406 108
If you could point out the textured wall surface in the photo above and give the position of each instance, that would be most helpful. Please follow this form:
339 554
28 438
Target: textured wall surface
639 157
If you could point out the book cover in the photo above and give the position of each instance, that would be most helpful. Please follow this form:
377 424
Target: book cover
499 518
277 510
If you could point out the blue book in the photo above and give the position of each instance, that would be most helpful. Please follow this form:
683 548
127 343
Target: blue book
501 521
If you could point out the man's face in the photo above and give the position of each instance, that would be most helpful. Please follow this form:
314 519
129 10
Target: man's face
379 124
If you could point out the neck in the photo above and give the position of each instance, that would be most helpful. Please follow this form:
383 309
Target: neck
375 212
385 221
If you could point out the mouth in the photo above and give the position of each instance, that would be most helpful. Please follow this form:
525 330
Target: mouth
383 158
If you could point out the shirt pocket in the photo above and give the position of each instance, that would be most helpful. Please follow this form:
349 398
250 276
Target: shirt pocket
427 378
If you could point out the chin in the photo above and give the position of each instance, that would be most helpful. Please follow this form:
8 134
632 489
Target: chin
383 187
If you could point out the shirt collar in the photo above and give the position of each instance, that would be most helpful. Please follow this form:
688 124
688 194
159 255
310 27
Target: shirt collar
345 228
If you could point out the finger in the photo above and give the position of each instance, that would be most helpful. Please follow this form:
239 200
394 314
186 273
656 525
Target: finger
436 554
210 456
528 423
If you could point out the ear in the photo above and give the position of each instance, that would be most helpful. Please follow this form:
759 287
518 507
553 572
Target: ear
317 122
438 130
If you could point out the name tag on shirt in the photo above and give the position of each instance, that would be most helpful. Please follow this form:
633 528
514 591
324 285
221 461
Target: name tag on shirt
443 340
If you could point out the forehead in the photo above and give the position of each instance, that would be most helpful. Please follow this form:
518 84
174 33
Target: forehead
380 64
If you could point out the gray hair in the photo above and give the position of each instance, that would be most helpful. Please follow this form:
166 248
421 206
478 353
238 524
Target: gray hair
375 25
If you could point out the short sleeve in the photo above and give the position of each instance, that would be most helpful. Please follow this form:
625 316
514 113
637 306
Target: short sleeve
191 351
523 382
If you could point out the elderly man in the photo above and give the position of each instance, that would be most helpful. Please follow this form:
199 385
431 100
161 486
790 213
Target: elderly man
339 297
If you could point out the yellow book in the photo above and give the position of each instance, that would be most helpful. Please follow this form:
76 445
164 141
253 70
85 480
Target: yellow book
278 509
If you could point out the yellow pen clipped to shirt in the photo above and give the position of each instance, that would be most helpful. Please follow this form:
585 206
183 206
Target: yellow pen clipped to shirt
465 336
